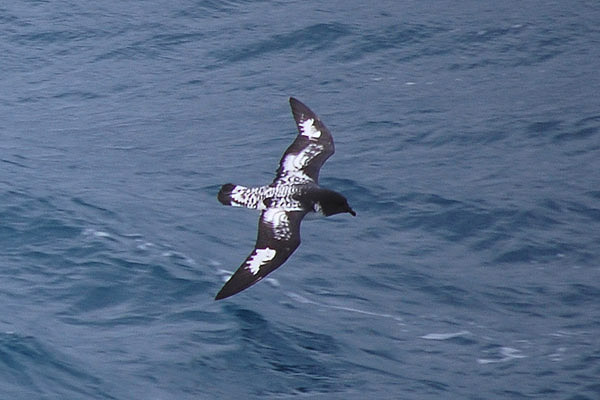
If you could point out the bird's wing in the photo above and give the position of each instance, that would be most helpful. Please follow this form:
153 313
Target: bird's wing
302 161
278 237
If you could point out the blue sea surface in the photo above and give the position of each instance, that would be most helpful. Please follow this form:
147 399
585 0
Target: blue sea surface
467 140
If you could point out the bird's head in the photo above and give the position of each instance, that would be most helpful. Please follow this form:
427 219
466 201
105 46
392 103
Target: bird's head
331 203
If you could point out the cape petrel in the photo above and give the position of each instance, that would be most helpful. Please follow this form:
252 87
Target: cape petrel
294 193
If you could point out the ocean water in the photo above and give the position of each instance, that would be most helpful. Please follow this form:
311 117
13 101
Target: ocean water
467 140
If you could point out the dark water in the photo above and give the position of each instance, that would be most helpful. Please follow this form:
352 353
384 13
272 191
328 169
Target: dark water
468 141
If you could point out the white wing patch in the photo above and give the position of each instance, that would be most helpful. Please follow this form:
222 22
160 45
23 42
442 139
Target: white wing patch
259 258
295 162
279 222
308 129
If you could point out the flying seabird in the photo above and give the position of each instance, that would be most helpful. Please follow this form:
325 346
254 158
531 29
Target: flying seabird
293 193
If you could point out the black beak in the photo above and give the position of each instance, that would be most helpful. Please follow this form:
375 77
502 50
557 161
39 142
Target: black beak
351 211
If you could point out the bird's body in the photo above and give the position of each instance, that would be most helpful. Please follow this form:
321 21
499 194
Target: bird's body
293 193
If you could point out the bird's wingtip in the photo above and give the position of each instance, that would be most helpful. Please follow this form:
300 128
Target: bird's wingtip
224 293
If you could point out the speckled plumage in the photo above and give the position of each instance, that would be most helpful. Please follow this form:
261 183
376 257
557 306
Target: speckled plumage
293 193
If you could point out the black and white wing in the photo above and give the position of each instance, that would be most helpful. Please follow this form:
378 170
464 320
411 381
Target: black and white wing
302 161
278 237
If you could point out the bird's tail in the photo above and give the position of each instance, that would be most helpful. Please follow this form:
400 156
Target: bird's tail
225 194
240 196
